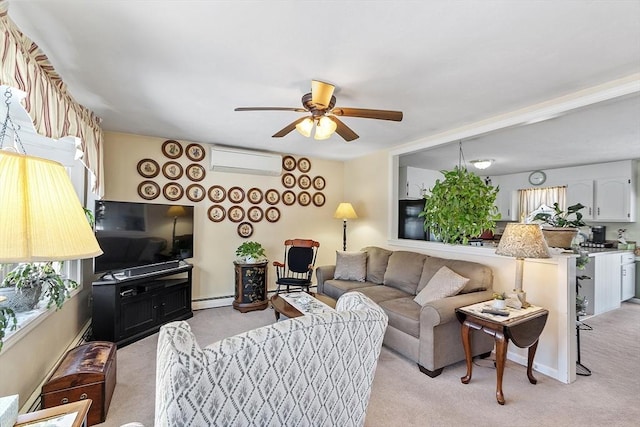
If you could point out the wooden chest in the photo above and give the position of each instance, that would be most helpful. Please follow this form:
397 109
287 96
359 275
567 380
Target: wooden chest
86 372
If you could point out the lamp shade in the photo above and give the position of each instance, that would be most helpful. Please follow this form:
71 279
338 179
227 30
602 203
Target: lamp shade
305 127
325 128
41 217
176 210
321 93
523 241
345 211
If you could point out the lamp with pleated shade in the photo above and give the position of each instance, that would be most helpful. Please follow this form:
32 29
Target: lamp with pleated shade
345 211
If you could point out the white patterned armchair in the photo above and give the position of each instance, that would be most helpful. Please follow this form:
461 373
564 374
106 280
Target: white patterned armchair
314 370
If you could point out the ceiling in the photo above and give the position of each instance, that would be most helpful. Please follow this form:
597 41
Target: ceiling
177 69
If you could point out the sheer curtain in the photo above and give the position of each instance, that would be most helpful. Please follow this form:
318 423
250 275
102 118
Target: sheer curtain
53 110
531 199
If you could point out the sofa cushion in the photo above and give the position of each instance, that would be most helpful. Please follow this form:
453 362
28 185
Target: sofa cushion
350 266
404 314
480 276
379 293
377 259
444 283
404 270
334 288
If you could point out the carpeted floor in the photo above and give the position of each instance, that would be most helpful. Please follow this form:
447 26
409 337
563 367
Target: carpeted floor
402 396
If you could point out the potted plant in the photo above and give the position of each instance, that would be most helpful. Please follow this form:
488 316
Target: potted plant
500 301
250 252
460 207
29 281
560 227
7 321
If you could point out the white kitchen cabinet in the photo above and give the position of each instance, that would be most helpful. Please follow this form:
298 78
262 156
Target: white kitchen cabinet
628 276
581 192
605 199
414 182
505 203
603 286
613 199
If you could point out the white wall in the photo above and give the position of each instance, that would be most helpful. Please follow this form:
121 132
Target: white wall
215 243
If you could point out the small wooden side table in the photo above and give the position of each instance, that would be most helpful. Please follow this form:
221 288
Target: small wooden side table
523 327
251 287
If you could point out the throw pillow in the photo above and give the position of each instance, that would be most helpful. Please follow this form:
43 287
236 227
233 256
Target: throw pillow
444 283
351 266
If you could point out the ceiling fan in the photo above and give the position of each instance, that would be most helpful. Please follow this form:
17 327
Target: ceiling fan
320 102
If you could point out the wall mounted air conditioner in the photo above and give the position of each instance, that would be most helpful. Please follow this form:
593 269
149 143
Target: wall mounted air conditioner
228 159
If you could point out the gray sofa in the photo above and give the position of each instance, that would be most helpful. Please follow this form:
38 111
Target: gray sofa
429 334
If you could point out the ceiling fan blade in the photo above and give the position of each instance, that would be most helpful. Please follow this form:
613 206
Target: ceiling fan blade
288 128
298 110
364 113
321 93
344 131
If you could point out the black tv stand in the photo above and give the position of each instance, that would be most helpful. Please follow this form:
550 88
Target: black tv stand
128 307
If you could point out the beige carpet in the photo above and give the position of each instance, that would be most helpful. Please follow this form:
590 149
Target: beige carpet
402 396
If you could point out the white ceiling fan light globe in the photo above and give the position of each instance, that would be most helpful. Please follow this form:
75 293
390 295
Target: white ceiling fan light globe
482 164
305 127
325 128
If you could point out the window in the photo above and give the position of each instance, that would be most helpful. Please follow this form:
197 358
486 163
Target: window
530 200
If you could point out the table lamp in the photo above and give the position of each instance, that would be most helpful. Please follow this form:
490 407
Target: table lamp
345 211
522 241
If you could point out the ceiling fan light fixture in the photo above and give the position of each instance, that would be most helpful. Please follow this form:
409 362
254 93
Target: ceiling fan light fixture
305 127
321 93
325 128
482 164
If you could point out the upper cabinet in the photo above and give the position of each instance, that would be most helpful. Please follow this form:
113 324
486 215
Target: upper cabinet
413 182
606 198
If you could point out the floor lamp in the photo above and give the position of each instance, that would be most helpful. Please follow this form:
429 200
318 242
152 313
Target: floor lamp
345 211
175 211
522 241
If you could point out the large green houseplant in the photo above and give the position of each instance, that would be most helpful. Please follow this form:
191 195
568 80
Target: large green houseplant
460 207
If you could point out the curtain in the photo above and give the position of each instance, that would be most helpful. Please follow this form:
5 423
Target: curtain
52 109
531 199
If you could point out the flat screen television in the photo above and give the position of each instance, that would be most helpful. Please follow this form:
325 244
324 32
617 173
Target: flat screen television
135 234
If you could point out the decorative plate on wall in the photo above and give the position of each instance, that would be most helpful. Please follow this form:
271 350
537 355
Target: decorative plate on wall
304 198
304 181
148 190
255 214
245 229
236 213
318 199
195 192
272 214
254 195
217 193
272 196
288 180
195 152
319 183
148 168
173 191
304 164
288 197
236 194
195 172
216 213
172 149
172 170
288 163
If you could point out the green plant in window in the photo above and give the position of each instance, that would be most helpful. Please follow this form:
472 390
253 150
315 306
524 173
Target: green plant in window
7 321
41 277
460 207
